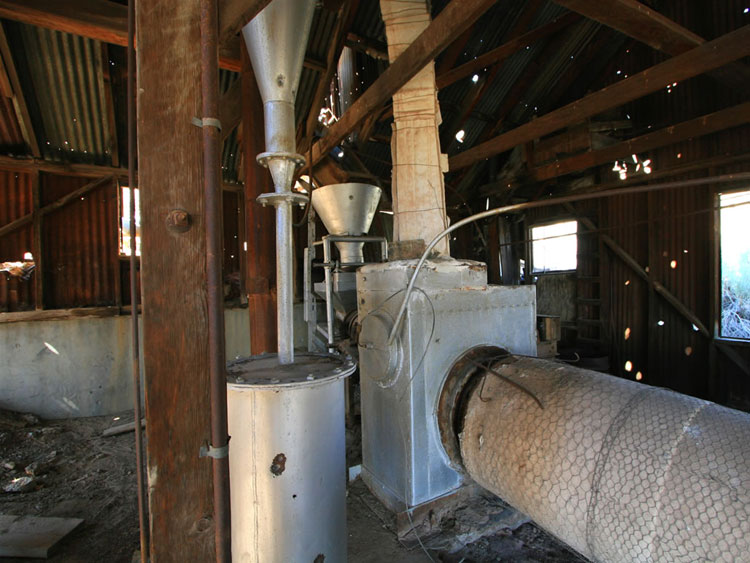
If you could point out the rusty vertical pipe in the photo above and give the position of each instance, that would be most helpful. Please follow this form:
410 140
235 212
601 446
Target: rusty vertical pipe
136 363
213 223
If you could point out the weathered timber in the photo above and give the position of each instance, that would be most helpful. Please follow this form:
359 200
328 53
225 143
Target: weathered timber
648 26
499 54
36 243
704 125
58 314
96 19
453 20
173 282
708 56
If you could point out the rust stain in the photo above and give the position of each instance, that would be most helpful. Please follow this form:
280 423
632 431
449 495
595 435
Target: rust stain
278 464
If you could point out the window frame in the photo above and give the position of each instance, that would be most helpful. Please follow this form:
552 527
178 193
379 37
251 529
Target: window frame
718 273
530 266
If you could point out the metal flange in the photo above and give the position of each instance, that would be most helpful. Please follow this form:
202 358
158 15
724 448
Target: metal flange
277 199
264 157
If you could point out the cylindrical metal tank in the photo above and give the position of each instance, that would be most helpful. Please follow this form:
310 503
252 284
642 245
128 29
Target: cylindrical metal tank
287 459
617 470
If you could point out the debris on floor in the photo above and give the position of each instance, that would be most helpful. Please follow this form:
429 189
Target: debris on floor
67 469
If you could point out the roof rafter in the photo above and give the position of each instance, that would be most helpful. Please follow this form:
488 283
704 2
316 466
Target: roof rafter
704 58
640 22
703 125
8 69
454 19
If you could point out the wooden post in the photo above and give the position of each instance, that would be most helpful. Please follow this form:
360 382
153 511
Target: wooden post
175 331
36 238
259 221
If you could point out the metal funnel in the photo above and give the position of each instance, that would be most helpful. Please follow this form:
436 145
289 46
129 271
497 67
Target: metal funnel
347 209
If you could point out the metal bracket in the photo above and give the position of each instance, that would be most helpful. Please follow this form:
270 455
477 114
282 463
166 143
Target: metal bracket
207 450
282 197
206 122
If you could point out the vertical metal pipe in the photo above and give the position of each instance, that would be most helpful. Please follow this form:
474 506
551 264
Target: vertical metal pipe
284 285
213 225
135 347
329 290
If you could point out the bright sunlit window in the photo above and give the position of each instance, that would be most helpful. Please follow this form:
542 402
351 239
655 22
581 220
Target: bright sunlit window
734 215
125 222
554 247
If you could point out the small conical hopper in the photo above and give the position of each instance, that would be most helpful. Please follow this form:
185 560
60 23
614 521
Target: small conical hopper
347 210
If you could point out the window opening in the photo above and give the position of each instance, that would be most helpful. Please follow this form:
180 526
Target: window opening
125 222
734 216
554 247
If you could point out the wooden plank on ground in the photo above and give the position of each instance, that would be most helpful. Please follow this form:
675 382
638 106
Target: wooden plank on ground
173 281
708 56
32 536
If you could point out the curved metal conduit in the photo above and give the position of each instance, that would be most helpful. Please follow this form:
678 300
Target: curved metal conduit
618 470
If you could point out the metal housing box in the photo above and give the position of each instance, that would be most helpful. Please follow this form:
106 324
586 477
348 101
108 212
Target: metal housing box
451 311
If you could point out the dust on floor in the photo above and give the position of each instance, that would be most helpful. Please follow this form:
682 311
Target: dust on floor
66 468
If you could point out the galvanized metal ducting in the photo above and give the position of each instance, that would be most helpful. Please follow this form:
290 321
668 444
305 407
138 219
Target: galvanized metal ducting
617 470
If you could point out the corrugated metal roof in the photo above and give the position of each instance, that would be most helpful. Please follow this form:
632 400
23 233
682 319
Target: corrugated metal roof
66 72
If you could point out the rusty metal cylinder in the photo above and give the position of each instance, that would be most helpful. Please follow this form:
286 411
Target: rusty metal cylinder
618 470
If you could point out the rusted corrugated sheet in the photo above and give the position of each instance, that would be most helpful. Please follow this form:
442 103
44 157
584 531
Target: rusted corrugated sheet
79 244
15 202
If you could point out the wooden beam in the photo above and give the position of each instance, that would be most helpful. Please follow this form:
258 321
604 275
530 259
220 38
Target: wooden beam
19 102
81 170
96 19
58 314
717 121
57 204
708 56
638 21
369 47
175 331
499 54
643 24
234 14
453 20
36 243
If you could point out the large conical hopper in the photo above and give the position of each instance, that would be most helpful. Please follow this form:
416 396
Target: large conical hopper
347 210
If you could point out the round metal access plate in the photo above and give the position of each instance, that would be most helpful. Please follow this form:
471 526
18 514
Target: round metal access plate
308 369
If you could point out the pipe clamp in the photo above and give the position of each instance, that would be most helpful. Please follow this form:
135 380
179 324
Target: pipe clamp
207 450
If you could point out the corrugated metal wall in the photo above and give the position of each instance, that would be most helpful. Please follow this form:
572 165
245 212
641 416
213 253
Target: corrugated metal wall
79 244
16 202
81 264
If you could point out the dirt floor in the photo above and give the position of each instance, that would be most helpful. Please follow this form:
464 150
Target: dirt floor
69 469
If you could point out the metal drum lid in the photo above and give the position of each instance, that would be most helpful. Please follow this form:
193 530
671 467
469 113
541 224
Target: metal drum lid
308 370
